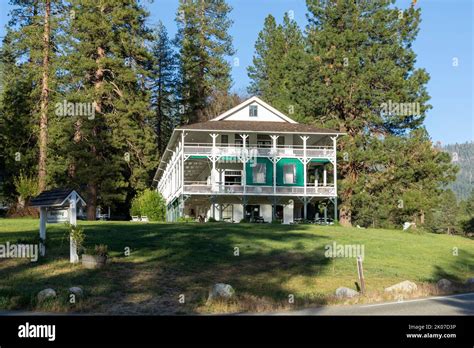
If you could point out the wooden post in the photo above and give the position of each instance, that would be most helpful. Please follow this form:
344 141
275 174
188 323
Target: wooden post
360 272
73 257
43 217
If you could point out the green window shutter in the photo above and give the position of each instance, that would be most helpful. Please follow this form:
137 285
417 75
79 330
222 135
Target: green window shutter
268 175
280 168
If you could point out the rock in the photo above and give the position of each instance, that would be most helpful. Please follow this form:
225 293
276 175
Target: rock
405 286
444 284
221 290
470 281
46 294
77 291
346 292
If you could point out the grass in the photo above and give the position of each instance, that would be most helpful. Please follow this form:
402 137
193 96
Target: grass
273 262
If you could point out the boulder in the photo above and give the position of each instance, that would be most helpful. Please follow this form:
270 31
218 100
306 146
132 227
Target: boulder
343 292
405 286
470 281
46 294
221 291
444 284
77 291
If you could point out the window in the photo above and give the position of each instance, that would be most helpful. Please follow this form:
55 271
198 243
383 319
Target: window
224 140
232 177
253 110
239 142
289 174
259 173
281 140
264 140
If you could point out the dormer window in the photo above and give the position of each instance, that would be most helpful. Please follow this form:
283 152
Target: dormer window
253 110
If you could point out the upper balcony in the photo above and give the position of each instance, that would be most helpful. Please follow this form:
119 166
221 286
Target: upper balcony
253 150
202 187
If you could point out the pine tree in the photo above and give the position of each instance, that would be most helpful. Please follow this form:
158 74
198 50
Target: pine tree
361 60
17 136
203 43
163 80
34 34
279 65
111 150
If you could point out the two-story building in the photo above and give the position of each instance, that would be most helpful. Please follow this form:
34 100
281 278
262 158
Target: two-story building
253 163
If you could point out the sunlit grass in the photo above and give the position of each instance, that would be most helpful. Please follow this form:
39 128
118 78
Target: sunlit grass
274 261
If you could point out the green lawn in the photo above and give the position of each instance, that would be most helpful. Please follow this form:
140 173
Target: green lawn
168 260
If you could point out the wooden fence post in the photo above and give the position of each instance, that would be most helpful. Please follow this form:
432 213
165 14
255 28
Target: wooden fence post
360 272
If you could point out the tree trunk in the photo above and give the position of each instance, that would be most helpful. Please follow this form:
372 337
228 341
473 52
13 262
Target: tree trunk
345 217
91 201
43 126
92 186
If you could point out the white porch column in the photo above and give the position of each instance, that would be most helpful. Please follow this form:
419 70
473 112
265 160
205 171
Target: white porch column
334 140
214 173
42 231
305 174
274 146
325 175
305 139
73 257
244 160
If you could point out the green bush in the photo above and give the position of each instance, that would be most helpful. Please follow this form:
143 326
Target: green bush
26 186
149 203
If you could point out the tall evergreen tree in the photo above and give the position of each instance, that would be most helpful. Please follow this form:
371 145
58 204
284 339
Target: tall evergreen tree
17 136
110 151
204 42
44 97
279 65
163 80
29 53
355 61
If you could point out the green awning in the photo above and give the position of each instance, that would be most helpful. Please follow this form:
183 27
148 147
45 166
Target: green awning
319 160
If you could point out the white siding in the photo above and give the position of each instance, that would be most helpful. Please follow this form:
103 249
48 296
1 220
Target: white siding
264 115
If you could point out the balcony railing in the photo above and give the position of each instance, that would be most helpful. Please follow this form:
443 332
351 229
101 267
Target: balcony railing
253 150
204 188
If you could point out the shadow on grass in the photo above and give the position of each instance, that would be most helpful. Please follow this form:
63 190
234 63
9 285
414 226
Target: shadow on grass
169 260
463 263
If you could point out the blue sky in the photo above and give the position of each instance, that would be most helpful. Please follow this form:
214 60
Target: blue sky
446 34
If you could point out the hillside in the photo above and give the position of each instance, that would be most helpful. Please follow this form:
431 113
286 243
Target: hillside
463 156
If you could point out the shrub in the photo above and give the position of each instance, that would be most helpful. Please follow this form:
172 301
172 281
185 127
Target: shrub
76 233
26 186
149 203
101 250
211 219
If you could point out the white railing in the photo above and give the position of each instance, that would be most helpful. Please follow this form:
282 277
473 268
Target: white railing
252 150
203 188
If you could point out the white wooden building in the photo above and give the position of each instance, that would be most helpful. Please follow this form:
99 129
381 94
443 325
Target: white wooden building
253 163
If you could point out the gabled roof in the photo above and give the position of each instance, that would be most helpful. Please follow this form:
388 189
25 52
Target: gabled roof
267 127
248 102
54 198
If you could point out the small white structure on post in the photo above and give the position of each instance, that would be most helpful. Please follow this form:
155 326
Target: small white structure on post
57 200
